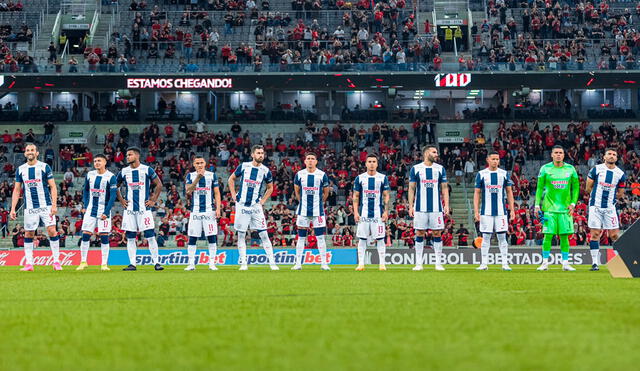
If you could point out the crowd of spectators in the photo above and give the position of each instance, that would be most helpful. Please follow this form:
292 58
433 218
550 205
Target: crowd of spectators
555 35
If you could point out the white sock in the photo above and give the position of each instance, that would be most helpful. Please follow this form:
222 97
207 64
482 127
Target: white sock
504 248
362 249
153 249
322 247
28 253
84 251
300 249
419 252
213 249
55 250
131 250
242 248
268 248
595 256
484 248
382 251
104 249
437 247
191 251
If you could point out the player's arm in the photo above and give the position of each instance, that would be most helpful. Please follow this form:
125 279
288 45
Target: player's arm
356 201
575 190
218 198
476 197
121 199
325 188
15 196
413 179
191 186
589 185
53 189
386 198
112 198
444 190
540 189
85 195
156 192
621 186
232 185
269 180
297 191
512 203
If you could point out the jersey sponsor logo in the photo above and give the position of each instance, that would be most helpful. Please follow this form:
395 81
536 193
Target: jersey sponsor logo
202 217
493 188
251 183
559 184
136 185
249 211
369 220
132 212
37 211
606 185
429 183
32 183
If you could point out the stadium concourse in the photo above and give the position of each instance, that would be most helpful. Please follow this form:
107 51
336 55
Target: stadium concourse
169 149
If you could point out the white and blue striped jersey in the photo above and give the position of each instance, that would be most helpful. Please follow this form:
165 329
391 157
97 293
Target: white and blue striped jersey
99 193
34 179
137 184
202 199
605 184
494 190
430 180
251 180
371 188
311 186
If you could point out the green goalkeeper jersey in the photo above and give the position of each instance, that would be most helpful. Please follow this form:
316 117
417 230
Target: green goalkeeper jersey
558 187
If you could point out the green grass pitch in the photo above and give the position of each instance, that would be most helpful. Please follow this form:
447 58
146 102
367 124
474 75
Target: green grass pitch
314 320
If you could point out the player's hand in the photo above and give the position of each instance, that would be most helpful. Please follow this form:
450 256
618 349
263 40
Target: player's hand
218 213
446 210
411 211
233 197
13 215
537 209
571 209
356 217
103 217
512 217
200 172
385 216
124 203
82 211
54 210
150 203
476 216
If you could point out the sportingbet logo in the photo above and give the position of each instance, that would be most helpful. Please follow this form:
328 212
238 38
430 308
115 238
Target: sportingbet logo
559 184
606 185
180 258
284 257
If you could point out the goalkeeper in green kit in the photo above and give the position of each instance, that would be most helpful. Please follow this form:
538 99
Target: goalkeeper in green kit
556 196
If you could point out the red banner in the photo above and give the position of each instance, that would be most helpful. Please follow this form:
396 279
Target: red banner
43 257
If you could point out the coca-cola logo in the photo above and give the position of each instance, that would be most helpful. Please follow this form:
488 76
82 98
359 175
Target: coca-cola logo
66 258
3 256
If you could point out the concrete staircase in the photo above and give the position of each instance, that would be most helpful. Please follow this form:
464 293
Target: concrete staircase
461 209
43 40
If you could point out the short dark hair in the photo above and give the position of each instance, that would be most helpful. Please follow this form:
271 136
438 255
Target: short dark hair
611 149
373 155
100 155
491 153
311 153
199 156
257 147
134 149
557 146
30 144
428 147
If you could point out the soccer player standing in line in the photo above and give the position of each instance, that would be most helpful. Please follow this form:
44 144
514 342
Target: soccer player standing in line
493 184
371 209
428 203
556 196
603 182
137 216
40 204
202 189
249 204
311 189
98 197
